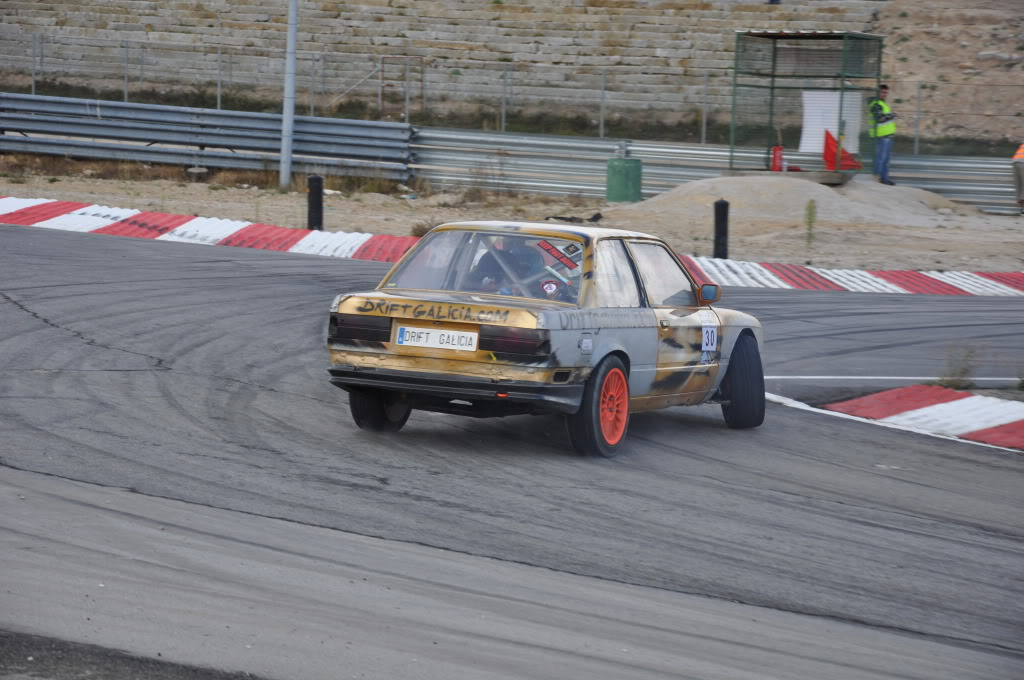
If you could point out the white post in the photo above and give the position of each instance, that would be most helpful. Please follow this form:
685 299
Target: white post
288 112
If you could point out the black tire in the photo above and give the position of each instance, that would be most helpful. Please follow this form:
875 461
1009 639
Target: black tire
378 411
743 386
585 426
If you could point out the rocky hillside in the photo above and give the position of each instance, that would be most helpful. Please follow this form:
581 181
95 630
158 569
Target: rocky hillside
968 56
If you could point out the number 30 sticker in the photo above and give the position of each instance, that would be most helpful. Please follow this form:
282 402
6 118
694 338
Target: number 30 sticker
710 339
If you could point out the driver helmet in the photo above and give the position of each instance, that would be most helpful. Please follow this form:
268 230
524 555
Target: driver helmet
526 261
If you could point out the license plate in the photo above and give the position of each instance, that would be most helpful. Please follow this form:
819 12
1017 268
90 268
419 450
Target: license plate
409 336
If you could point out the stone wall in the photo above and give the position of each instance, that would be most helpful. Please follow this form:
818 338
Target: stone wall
647 54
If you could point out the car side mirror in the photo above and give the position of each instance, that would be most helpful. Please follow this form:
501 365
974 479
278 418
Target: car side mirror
710 292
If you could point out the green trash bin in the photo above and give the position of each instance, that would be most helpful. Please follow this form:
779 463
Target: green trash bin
625 180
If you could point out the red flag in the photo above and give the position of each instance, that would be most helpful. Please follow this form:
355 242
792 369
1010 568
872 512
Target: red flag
847 161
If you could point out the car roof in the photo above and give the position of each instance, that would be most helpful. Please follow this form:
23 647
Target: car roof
586 233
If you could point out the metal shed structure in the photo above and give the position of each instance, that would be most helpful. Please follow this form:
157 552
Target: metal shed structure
795 89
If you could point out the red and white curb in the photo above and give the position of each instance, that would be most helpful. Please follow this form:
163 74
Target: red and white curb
101 219
799 277
942 411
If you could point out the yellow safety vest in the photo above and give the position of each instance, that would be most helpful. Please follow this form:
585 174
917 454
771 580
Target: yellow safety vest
882 124
1019 156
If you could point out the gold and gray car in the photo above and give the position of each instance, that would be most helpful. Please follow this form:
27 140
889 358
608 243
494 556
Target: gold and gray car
512 318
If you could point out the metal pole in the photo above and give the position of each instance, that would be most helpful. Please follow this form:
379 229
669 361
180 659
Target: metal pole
312 85
504 96
288 114
142 66
604 92
124 44
917 120
380 88
704 114
42 56
220 75
721 229
771 99
732 114
34 50
840 134
323 75
405 88
315 202
841 122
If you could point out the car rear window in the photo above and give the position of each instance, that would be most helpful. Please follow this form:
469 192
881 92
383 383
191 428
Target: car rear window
517 265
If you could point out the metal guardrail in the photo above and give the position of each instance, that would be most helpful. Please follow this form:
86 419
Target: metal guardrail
493 160
574 165
181 135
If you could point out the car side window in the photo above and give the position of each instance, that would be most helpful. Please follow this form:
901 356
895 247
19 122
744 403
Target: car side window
666 283
613 276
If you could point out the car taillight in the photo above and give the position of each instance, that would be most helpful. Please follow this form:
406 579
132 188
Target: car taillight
359 327
514 340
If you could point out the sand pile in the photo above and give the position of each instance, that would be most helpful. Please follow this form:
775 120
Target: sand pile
863 225
785 199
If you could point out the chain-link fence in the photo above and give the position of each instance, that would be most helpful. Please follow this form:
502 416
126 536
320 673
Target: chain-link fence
943 117
668 103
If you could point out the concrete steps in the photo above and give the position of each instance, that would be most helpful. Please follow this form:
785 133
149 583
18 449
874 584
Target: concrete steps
655 52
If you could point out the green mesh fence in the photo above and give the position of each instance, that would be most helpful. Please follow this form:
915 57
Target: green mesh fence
795 90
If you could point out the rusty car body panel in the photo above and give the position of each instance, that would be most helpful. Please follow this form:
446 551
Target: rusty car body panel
675 355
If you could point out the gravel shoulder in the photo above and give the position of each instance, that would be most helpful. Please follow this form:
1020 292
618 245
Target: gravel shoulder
862 226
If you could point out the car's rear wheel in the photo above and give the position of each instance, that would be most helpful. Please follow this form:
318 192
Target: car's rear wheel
378 410
743 386
599 427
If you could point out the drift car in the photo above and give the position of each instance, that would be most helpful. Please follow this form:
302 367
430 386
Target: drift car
496 319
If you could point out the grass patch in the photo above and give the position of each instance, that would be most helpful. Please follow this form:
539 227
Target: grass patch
810 217
960 365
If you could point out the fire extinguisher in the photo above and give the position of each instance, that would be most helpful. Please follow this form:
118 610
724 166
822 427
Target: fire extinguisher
778 163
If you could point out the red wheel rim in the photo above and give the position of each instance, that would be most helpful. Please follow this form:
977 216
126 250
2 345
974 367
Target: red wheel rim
614 406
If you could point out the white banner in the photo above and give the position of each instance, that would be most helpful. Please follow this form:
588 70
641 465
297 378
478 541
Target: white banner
821 113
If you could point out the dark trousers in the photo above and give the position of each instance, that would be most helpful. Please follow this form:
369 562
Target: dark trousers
883 154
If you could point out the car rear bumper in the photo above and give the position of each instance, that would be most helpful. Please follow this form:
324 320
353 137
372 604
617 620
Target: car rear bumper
556 398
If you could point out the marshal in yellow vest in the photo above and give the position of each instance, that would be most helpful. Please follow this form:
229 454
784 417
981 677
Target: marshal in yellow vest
882 123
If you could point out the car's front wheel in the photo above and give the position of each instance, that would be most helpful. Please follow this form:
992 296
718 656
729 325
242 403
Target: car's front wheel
599 427
743 386
378 411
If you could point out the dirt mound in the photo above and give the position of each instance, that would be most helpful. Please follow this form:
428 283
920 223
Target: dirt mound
863 225
785 199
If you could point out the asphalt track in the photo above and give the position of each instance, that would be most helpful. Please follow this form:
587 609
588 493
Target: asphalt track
198 375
